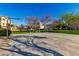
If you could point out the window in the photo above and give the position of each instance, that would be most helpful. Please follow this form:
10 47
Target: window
0 18
3 24
4 19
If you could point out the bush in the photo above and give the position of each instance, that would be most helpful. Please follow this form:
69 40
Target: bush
3 32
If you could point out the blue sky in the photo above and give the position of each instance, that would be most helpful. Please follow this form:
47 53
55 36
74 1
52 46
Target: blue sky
39 10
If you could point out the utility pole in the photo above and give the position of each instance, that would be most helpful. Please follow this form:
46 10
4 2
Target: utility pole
7 28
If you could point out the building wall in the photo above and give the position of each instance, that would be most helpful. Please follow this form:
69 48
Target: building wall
41 26
14 28
3 21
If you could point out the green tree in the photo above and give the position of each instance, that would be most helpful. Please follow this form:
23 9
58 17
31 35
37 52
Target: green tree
0 26
66 18
70 19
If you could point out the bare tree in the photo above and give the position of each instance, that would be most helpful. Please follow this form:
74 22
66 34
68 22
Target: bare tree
46 20
21 27
33 22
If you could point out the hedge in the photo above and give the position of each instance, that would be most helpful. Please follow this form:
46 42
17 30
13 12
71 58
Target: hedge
4 31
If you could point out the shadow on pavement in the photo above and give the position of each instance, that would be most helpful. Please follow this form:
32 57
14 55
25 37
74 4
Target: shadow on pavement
38 47
24 36
24 53
48 50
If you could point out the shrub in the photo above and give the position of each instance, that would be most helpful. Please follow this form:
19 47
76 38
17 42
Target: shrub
3 32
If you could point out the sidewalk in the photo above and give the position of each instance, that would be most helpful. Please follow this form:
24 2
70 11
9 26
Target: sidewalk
3 43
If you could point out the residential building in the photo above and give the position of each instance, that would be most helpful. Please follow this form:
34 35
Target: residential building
41 26
4 21
15 28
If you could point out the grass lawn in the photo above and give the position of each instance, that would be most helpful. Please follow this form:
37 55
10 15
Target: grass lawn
22 32
67 31
51 31
19 32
